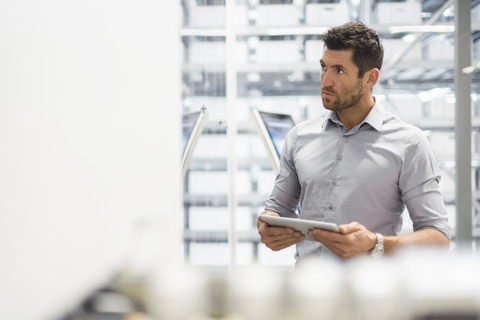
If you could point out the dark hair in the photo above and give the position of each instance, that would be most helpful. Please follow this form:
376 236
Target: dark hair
364 41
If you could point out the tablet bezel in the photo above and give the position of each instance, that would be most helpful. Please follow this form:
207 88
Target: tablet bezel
301 225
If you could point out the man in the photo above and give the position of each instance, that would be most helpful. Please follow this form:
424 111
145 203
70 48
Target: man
357 166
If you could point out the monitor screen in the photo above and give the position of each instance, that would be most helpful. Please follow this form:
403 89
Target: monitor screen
278 126
188 123
273 129
192 127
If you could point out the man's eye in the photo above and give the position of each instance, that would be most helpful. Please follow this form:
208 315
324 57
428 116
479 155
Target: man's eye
340 71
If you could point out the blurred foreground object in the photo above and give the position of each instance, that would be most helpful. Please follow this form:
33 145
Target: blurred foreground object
415 284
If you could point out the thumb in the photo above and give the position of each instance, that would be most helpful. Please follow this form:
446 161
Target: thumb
348 228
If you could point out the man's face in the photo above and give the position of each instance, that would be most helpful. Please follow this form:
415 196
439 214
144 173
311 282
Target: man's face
341 87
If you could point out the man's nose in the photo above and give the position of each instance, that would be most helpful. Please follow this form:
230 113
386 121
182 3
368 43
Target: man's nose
325 79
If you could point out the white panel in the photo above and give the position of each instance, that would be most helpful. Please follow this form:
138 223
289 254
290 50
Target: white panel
216 52
326 14
440 108
214 16
216 219
444 144
440 49
277 52
216 182
391 13
207 16
409 108
393 46
313 50
243 146
217 254
211 146
266 180
89 97
277 15
207 52
241 16
258 148
241 52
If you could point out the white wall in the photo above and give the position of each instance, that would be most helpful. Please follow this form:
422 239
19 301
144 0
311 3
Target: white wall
89 130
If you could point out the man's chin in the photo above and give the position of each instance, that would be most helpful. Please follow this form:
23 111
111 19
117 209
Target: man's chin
327 104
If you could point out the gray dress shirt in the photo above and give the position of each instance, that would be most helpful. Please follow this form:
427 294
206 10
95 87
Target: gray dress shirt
368 174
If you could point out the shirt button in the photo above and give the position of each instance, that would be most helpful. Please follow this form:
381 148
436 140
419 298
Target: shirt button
330 206
339 158
334 182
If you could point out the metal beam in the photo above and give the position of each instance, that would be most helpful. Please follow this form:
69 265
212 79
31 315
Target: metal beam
418 36
232 130
463 124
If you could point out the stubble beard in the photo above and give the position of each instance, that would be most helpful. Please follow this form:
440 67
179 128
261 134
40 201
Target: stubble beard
347 98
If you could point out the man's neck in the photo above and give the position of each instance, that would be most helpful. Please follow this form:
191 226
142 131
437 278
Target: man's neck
353 116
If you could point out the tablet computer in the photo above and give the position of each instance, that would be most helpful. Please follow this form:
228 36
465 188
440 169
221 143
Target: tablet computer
301 225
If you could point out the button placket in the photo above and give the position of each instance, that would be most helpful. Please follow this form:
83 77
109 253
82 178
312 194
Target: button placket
334 175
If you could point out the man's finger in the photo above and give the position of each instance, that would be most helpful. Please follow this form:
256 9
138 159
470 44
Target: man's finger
349 228
324 234
279 230
286 242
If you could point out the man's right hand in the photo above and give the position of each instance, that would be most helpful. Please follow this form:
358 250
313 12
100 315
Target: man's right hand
277 238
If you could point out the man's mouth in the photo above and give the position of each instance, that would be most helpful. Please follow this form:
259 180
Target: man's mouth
327 93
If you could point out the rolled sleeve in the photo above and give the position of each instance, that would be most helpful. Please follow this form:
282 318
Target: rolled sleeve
283 199
427 208
286 191
419 167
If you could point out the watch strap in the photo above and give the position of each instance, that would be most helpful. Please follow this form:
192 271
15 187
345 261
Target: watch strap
377 251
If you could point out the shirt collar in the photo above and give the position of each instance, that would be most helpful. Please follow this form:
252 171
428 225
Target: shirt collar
374 118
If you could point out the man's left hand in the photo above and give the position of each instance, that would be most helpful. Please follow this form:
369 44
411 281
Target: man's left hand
354 240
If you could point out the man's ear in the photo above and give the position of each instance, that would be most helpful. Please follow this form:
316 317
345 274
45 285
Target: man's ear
372 77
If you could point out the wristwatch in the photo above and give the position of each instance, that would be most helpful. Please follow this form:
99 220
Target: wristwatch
377 251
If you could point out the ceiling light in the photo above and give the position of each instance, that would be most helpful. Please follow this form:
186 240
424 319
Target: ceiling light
432 94
295 31
436 28
203 32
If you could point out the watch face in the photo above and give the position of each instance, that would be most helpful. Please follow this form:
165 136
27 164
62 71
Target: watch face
376 253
